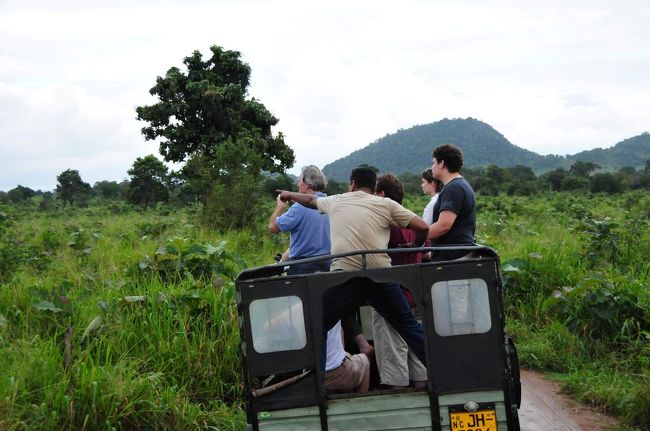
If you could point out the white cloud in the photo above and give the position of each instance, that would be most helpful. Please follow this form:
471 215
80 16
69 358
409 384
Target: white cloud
557 77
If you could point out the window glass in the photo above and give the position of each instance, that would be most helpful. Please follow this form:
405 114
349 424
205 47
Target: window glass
277 324
461 307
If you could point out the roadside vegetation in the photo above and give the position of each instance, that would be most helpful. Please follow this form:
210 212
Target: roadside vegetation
117 317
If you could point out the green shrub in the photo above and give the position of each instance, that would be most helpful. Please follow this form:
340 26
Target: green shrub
602 309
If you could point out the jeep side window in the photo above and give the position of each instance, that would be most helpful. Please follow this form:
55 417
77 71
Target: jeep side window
461 307
277 324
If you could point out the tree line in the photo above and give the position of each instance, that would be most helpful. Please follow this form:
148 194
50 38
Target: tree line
232 160
493 180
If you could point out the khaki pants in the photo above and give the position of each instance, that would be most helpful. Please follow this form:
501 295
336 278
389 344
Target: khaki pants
397 364
349 375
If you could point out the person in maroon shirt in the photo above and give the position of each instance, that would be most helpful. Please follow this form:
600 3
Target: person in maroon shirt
397 366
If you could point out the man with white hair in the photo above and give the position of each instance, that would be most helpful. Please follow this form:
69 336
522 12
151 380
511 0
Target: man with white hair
310 231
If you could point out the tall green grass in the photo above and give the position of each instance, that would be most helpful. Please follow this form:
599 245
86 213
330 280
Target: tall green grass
116 319
110 332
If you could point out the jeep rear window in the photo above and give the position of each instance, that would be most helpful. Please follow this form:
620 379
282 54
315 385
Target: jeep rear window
277 324
461 307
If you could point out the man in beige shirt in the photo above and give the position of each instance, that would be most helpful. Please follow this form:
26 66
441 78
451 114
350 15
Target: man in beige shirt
359 220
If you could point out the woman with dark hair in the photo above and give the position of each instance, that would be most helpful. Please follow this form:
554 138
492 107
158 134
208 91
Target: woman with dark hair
430 186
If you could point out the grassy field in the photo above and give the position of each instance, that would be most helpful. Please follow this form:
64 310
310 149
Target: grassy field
116 319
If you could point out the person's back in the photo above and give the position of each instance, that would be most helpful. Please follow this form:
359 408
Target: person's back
361 221
397 365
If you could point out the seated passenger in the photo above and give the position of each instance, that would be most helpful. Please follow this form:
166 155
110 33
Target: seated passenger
344 372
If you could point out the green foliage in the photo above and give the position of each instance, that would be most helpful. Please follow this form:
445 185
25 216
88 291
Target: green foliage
552 348
233 203
148 183
154 228
207 106
603 243
47 202
278 182
606 183
603 309
118 349
179 259
15 252
112 318
336 187
204 116
109 190
622 395
583 169
71 189
20 194
235 195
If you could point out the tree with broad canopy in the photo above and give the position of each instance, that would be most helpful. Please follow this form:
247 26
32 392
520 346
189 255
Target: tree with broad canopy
149 177
71 189
207 107
205 117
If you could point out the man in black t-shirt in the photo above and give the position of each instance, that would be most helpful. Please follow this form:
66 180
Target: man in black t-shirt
454 214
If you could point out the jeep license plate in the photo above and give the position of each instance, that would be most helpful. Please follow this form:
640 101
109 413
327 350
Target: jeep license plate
482 420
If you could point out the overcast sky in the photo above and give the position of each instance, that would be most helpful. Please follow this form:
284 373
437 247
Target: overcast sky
552 76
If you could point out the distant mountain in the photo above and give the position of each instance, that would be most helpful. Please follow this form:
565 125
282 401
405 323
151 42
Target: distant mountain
633 152
410 150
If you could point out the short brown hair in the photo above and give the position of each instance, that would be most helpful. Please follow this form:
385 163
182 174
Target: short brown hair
451 155
391 186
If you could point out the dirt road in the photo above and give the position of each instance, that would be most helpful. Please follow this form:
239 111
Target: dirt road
544 408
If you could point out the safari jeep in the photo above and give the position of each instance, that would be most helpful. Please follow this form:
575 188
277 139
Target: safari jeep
473 374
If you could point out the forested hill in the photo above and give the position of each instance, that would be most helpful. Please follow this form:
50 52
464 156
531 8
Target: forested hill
410 150
633 152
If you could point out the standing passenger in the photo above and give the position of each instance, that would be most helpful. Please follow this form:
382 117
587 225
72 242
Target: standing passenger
310 231
430 186
397 365
454 214
310 237
359 220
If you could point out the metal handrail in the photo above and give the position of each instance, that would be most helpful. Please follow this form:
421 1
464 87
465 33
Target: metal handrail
279 268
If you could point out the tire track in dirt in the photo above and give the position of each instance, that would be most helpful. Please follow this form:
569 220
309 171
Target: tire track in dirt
544 408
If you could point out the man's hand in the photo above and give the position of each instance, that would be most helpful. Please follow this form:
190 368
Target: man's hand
277 212
305 199
284 195
421 229
281 203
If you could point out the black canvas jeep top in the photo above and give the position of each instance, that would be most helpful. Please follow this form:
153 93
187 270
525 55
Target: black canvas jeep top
473 374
